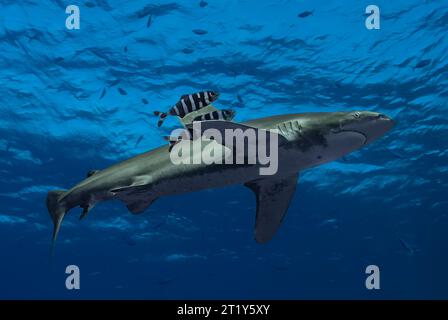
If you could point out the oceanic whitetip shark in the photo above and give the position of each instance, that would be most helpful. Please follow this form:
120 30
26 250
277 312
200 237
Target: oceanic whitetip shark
305 140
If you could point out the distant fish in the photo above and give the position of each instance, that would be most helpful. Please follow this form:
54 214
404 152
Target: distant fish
188 103
58 59
406 246
125 49
337 84
148 23
321 37
113 82
122 92
396 154
130 241
423 63
145 101
203 4
305 14
103 93
200 31
138 141
187 51
328 222
240 99
89 4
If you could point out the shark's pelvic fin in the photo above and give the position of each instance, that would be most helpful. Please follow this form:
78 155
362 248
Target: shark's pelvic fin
137 197
273 195
138 206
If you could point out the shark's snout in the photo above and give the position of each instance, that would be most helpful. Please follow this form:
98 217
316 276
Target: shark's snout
372 125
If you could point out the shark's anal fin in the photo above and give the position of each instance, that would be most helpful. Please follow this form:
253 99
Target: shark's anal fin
274 194
86 208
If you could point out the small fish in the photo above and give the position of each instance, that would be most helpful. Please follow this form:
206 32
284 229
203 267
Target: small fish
138 140
422 63
188 103
103 93
203 4
305 14
145 101
89 4
130 241
240 100
148 23
58 60
187 51
200 32
406 246
226 114
122 92
125 49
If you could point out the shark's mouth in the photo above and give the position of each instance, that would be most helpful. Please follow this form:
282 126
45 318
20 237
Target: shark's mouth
358 132
352 131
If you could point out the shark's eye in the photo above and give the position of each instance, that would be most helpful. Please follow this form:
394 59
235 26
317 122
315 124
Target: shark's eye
356 115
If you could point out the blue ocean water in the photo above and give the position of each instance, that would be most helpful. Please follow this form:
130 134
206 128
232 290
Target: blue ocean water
76 100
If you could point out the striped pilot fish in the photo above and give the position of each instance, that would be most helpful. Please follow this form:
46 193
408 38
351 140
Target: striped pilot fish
226 114
188 103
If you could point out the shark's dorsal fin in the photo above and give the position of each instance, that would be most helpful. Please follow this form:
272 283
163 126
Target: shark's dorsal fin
273 195
222 125
188 119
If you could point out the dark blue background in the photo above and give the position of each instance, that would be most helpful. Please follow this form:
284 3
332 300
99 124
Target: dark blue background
62 114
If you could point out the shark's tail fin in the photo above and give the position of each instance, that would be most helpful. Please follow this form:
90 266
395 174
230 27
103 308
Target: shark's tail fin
162 117
57 210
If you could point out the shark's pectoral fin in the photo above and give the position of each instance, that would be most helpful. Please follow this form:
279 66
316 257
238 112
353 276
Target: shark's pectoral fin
273 195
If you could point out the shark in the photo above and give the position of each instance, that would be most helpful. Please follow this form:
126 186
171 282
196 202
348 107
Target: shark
306 140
